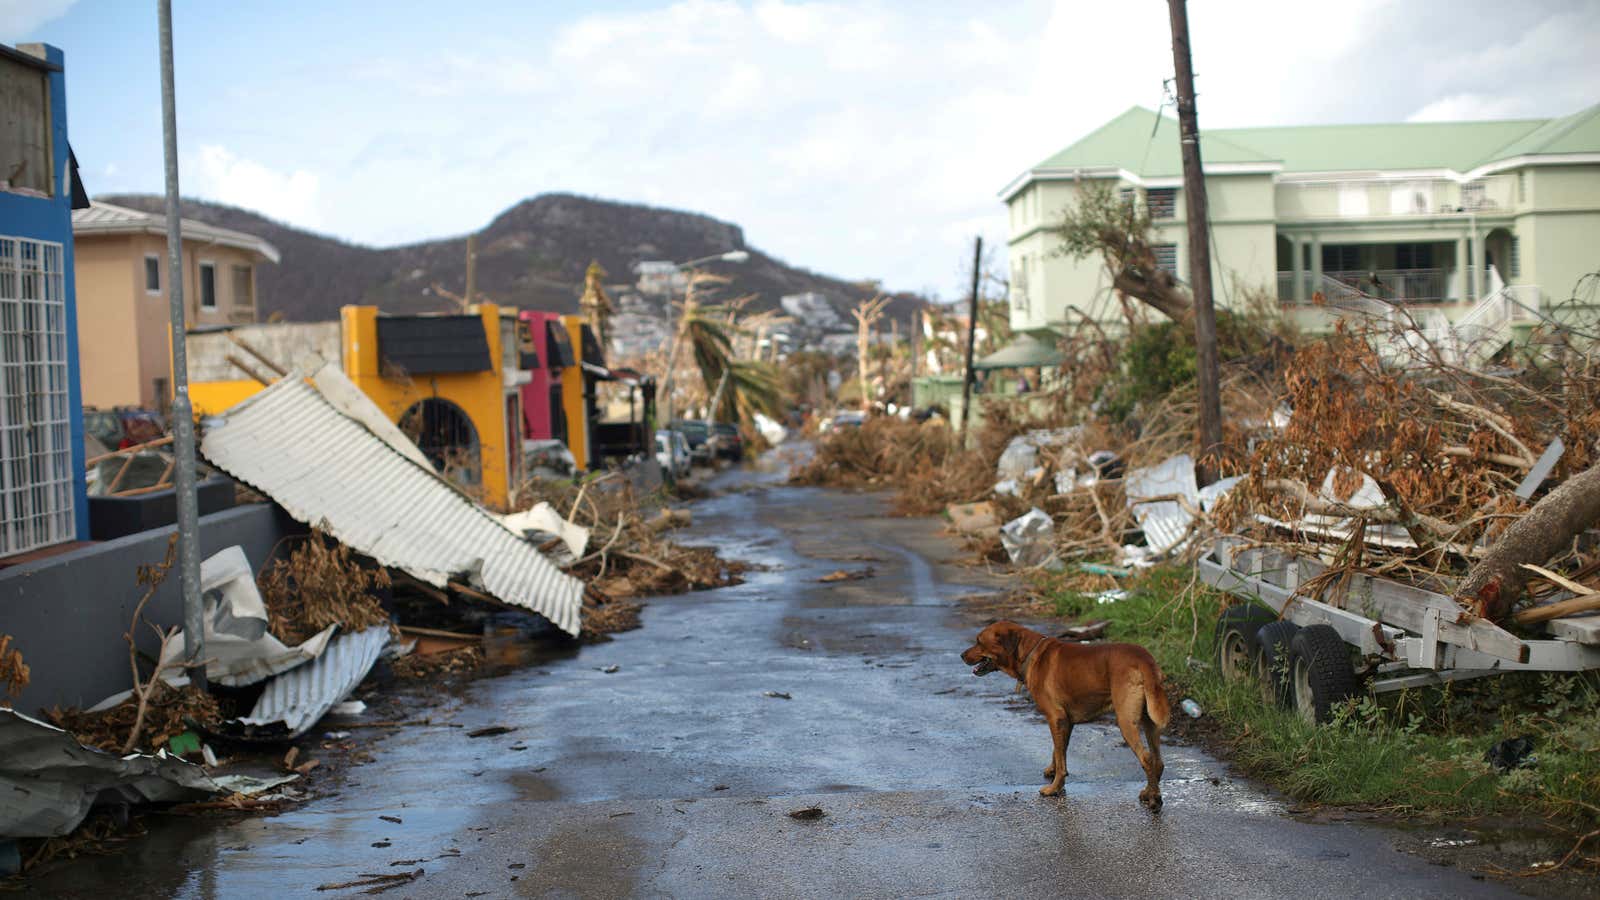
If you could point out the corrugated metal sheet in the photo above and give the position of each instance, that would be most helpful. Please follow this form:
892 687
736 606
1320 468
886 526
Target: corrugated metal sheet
300 697
326 469
49 781
1165 522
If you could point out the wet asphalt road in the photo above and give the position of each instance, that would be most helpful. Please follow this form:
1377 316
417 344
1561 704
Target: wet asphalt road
673 776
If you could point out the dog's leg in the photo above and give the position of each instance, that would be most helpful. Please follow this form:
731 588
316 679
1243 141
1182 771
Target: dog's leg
1059 726
1066 744
1130 711
1151 796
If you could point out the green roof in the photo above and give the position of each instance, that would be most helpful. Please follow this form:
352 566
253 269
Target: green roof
1145 143
1024 352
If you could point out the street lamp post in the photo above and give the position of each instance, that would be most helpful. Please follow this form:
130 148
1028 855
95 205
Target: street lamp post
732 256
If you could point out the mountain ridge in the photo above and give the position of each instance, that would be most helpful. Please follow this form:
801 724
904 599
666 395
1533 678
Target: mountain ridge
532 254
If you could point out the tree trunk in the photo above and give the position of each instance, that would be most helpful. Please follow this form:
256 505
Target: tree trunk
1496 582
1162 294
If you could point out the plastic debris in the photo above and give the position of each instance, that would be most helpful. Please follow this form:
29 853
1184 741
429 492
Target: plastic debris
1512 753
1191 708
1029 538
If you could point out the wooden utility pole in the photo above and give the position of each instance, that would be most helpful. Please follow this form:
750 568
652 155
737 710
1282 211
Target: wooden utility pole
1207 376
972 333
472 269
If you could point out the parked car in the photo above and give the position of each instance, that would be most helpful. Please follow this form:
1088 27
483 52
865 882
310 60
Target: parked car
123 427
699 435
672 452
730 443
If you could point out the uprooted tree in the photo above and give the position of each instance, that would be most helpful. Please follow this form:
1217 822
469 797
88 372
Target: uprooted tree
1117 231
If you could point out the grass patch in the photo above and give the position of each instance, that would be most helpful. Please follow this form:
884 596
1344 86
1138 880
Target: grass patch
1417 751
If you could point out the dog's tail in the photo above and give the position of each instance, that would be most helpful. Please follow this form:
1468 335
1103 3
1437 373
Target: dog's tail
1155 699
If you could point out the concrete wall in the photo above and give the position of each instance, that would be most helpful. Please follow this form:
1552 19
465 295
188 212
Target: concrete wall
67 614
110 346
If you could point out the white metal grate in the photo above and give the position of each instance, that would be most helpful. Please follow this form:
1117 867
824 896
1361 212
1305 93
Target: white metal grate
36 495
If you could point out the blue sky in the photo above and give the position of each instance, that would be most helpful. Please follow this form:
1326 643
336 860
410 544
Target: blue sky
859 139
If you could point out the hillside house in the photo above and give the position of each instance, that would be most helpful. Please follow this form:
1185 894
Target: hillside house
122 275
1487 220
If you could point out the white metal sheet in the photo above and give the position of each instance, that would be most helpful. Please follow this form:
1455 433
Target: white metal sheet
300 697
329 470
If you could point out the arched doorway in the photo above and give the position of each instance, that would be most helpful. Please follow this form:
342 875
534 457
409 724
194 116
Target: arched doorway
1497 258
446 436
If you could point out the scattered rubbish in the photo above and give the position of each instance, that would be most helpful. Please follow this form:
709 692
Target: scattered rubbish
184 744
779 695
251 785
1008 488
719 787
380 882
619 815
1191 708
395 819
1028 538
1196 665
379 501
1086 632
611 669
1164 499
1111 596
306 767
239 648
380 845
335 735
295 701
540 522
491 731
50 781
842 575
971 518
1098 569
348 708
290 757
208 756
807 813
1512 753
1440 843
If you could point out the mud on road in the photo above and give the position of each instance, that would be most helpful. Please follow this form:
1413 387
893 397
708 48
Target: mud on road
666 762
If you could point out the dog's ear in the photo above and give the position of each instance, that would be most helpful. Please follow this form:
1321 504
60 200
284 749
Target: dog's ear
1011 642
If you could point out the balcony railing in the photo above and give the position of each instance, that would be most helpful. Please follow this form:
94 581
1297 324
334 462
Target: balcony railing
1391 285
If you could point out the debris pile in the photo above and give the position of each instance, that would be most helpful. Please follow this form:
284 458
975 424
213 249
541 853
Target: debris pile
13 671
321 583
170 712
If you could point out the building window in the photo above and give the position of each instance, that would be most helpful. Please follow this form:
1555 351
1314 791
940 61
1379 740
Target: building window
244 294
1019 284
1472 195
1516 257
1166 258
1162 202
1413 256
1340 258
152 273
1126 196
208 285
36 493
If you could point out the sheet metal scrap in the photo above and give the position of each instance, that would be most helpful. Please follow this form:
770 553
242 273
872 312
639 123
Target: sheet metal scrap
49 781
295 701
320 462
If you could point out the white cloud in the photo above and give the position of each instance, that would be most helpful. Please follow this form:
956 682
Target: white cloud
817 124
224 177
1468 107
19 18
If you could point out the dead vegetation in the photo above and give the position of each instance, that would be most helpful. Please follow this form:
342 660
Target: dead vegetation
320 583
13 671
167 713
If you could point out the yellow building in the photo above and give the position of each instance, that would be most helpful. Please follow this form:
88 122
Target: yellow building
451 382
574 403
120 263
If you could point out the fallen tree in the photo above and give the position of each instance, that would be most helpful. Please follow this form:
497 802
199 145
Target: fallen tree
1544 532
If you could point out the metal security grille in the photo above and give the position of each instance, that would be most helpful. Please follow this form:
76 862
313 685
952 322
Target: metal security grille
36 496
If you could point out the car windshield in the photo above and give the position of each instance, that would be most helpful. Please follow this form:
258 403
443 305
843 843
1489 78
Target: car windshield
724 428
690 429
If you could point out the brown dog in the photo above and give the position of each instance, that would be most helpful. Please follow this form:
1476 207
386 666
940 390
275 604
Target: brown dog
1073 683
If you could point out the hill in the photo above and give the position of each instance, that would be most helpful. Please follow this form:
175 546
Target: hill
533 256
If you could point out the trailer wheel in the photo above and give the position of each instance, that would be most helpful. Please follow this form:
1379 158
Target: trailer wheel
1236 639
1322 674
1272 661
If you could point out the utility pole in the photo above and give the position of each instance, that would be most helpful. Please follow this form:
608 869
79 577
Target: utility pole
183 450
1194 194
972 333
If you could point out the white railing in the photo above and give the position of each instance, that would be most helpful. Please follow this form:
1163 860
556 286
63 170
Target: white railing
1486 328
1398 285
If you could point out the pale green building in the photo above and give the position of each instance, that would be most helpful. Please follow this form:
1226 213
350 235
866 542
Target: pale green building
1457 222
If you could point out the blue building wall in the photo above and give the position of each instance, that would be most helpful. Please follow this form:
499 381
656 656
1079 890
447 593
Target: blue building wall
50 219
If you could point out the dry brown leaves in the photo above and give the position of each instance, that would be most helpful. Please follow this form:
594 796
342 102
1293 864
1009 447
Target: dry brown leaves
321 583
13 671
418 665
167 716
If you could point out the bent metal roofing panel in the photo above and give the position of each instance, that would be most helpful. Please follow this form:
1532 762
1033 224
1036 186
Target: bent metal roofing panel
328 470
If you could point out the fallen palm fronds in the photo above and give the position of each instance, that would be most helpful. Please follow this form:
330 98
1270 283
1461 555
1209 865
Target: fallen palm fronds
167 713
13 671
321 583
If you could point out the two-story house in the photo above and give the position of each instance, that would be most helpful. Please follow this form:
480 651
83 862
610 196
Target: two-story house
1445 219
124 319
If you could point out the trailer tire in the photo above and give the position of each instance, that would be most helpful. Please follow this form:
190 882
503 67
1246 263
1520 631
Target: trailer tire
1236 639
1322 676
1272 661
